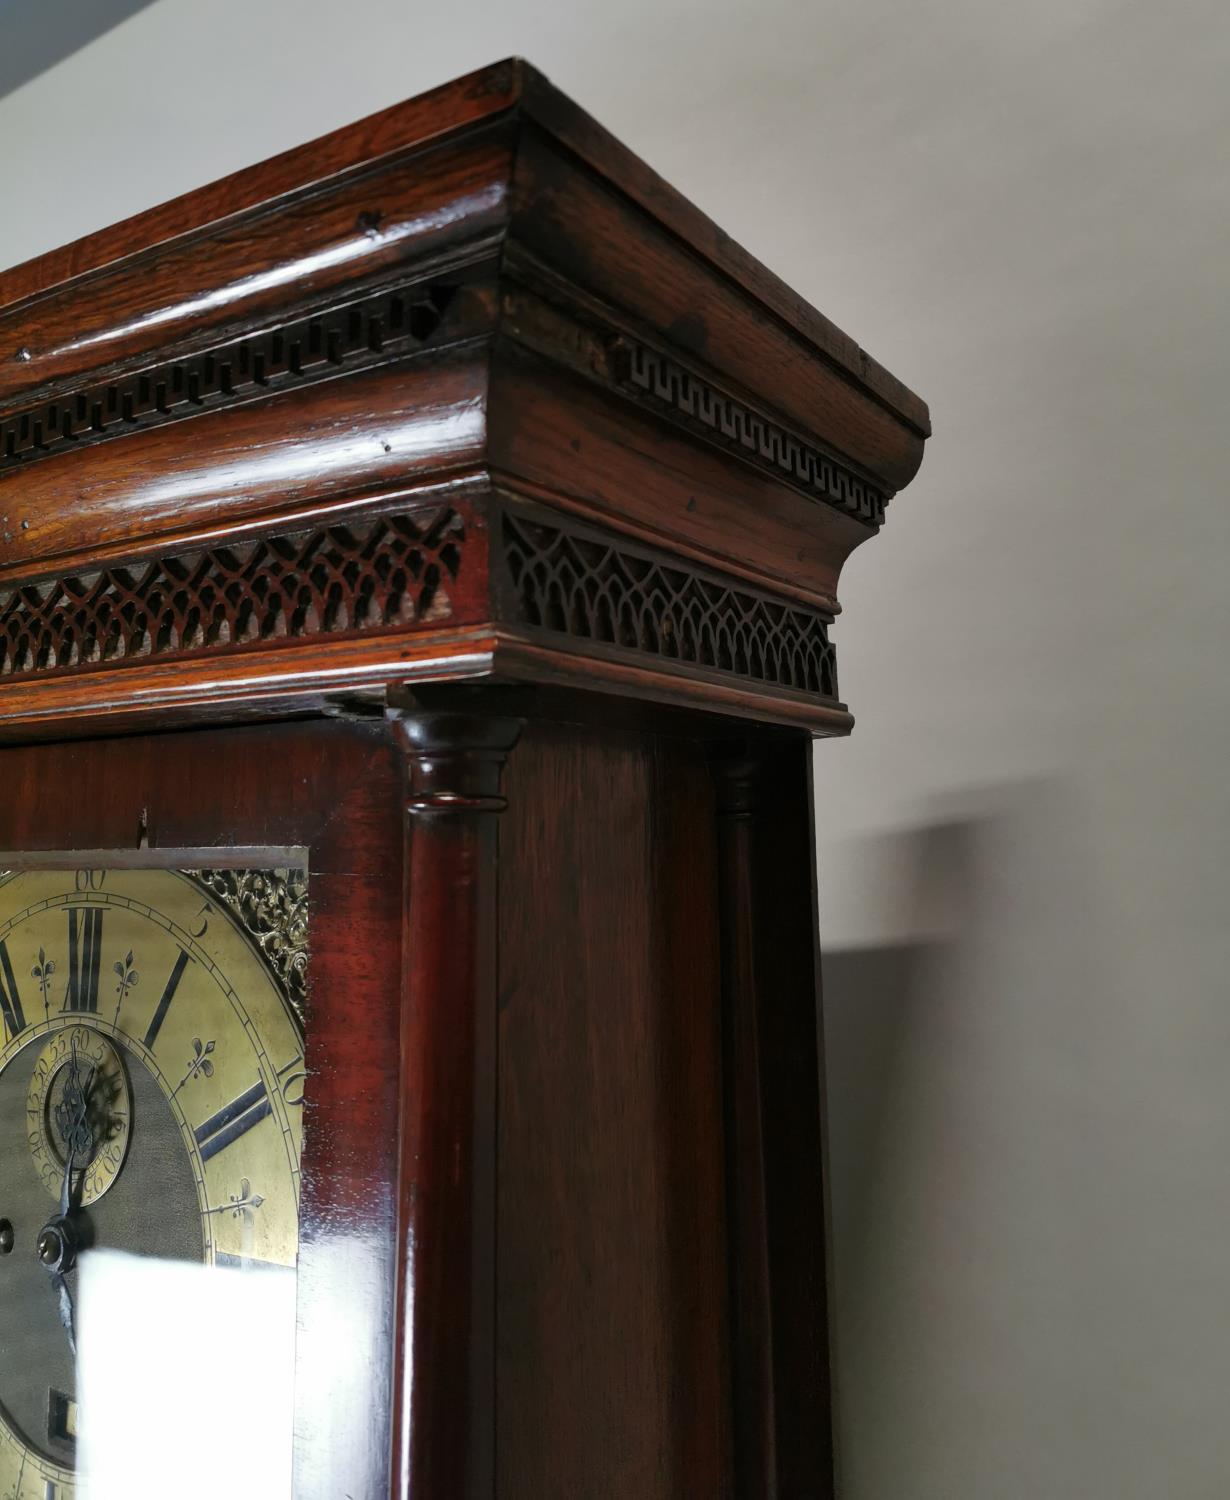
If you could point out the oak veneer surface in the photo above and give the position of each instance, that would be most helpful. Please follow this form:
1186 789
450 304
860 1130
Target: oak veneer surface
612 1377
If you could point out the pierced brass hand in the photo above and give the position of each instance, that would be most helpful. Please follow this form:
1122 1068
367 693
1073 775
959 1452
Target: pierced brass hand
58 1240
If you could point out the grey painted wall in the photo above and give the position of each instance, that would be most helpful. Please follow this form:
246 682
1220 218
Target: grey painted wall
1024 211
31 43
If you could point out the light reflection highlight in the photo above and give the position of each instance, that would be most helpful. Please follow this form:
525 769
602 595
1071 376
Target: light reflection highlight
402 439
299 271
185 1379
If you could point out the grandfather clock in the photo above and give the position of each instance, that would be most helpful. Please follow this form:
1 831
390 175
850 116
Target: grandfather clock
418 556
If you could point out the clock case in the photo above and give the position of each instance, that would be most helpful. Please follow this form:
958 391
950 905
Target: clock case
450 498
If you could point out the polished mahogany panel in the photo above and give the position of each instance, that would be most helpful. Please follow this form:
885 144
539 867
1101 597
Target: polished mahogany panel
612 1374
448 200
322 445
414 122
562 440
589 233
334 790
560 117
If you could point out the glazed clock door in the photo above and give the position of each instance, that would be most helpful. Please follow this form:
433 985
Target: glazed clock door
151 1088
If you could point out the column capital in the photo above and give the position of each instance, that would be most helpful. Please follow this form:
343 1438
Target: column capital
454 758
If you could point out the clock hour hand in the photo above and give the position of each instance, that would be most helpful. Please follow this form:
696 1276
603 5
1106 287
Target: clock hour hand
57 1248
58 1241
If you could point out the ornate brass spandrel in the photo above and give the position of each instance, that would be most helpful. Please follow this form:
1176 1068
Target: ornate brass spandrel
272 907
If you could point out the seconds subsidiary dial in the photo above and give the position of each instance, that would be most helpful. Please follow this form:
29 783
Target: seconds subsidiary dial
151 1084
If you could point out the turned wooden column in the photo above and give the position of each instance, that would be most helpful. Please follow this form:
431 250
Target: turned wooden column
735 773
773 1119
790 1037
444 1382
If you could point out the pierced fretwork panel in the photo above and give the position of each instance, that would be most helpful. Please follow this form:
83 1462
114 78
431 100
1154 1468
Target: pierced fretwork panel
386 571
615 594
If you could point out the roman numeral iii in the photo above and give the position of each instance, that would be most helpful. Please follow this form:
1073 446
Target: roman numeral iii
233 1120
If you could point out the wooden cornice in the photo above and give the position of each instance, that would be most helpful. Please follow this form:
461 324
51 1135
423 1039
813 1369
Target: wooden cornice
478 294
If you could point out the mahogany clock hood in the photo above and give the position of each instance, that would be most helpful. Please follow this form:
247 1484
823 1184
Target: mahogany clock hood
477 301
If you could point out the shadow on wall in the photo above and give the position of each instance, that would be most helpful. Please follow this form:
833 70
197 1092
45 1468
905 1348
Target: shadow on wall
882 1003
37 35
1026 1302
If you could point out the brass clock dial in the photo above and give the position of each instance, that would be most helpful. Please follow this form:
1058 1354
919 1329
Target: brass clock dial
151 1089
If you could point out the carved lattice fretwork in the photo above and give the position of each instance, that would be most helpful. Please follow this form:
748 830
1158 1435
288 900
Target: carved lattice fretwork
308 348
685 395
384 571
616 594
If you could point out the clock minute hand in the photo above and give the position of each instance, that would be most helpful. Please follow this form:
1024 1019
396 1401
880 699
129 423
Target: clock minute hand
74 1131
66 1192
65 1297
